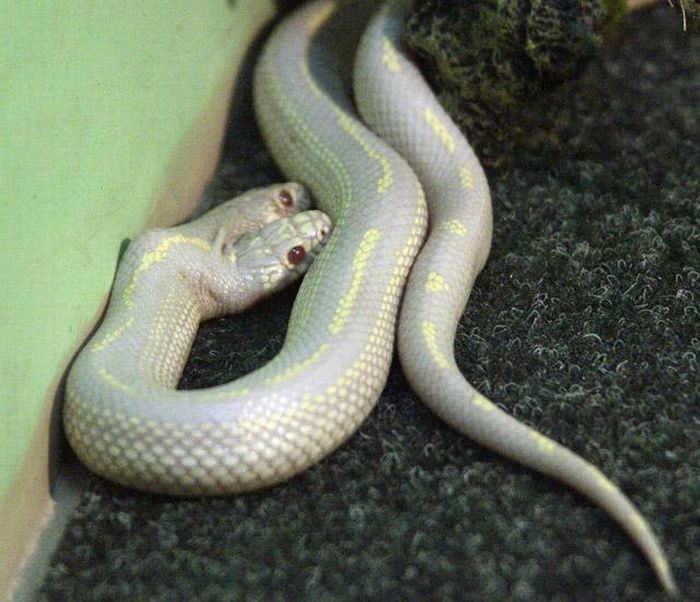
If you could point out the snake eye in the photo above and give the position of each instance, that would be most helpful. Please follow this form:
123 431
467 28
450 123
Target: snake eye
296 255
286 198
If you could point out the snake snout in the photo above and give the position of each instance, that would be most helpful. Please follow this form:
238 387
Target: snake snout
322 224
311 230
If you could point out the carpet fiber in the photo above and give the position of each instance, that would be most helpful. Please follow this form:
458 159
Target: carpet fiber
583 324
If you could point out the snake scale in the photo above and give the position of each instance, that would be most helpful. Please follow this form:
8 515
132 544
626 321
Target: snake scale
123 415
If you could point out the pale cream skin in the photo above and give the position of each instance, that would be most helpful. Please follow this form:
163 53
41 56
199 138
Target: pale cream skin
395 100
284 417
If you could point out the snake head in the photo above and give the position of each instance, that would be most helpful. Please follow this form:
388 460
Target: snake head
250 211
283 250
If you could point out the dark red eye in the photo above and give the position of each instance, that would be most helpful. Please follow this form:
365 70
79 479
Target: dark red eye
286 198
296 255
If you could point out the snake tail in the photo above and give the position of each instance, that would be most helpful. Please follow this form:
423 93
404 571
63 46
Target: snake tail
395 100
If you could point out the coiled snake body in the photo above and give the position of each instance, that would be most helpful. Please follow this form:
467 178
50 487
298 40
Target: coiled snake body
122 414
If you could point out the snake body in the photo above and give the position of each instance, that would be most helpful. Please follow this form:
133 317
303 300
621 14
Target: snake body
133 427
393 99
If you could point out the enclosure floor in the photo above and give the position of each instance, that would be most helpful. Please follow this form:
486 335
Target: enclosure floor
584 324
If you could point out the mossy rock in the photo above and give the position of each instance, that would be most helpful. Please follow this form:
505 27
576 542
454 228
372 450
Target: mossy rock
487 58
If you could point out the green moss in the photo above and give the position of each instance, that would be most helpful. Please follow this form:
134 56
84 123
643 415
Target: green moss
561 38
615 9
487 58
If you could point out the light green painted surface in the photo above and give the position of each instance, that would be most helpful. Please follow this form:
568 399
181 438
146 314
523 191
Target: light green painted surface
95 99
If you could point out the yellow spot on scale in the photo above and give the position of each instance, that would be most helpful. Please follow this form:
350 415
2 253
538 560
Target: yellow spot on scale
431 341
544 443
482 403
390 57
638 521
317 19
350 127
112 336
466 178
603 481
454 226
436 283
440 130
158 255
662 563
115 382
359 266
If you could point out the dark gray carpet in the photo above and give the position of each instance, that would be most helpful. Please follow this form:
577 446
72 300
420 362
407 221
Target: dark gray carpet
583 324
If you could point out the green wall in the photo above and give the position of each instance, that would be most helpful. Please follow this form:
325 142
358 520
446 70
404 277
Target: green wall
95 99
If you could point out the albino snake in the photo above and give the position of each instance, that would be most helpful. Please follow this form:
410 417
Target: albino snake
124 417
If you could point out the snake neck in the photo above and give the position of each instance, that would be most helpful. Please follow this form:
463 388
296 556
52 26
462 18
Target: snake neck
156 307
152 343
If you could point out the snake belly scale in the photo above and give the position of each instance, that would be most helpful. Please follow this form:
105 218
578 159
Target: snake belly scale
126 421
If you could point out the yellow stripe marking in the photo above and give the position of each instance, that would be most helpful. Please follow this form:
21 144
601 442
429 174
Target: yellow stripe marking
430 336
359 265
544 443
638 521
346 123
482 403
440 129
319 17
114 381
390 56
466 178
662 563
603 481
297 368
113 336
436 283
158 255
455 227
350 127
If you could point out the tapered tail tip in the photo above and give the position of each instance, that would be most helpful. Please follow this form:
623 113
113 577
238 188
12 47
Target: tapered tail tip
665 575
